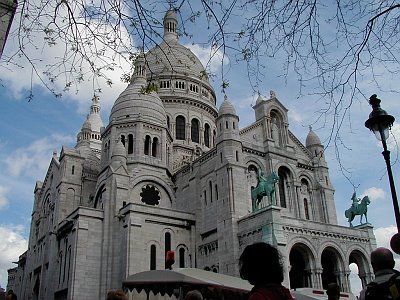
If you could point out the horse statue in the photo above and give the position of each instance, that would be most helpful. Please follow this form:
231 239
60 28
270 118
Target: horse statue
359 207
265 187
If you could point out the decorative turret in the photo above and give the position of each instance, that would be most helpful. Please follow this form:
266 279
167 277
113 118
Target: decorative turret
227 122
313 143
118 156
170 24
90 136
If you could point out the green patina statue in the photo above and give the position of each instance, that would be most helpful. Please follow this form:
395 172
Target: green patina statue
265 187
358 207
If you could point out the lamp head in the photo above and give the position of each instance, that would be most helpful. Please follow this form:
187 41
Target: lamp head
379 121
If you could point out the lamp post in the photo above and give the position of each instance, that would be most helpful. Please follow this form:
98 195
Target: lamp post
380 122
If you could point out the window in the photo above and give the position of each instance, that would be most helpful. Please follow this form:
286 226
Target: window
306 209
207 135
181 257
180 128
216 192
210 190
154 147
123 140
152 257
195 131
147 145
167 240
284 176
130 143
168 123
73 170
237 156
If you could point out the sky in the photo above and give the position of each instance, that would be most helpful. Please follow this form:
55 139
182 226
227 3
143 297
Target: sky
31 131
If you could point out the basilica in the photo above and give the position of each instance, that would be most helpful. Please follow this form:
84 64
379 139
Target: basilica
173 172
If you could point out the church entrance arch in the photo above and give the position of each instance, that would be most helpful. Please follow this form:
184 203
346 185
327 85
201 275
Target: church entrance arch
331 267
301 261
361 270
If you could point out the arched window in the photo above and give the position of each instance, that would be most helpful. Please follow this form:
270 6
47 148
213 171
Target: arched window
207 135
283 182
130 143
73 170
147 145
181 257
216 191
154 147
195 131
180 132
306 209
152 257
123 139
167 242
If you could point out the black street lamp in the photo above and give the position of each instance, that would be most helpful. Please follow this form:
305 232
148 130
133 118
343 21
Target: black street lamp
380 122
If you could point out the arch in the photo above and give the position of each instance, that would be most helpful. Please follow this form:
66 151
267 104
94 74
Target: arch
302 262
142 180
284 185
98 202
360 259
332 266
207 131
195 136
180 128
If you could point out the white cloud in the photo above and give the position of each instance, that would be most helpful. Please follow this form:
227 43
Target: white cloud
3 196
374 193
33 160
12 245
209 58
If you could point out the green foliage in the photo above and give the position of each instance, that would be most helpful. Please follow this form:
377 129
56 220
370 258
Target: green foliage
149 89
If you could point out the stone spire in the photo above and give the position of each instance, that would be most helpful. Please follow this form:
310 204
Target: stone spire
139 73
89 134
170 24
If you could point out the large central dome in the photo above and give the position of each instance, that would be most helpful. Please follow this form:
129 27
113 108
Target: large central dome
170 60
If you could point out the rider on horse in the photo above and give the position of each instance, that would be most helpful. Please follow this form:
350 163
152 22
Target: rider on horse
355 200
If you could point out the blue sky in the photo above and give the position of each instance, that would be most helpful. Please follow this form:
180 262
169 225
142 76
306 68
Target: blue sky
32 131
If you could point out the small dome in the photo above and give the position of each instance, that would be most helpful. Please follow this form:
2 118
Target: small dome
119 150
138 103
227 108
312 139
87 125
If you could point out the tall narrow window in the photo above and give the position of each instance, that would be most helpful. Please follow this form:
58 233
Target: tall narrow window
216 192
167 246
210 190
306 209
168 123
180 128
207 135
181 257
123 140
195 131
73 170
147 145
283 183
130 143
154 147
152 257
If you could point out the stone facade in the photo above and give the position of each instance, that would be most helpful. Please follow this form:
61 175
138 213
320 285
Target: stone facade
172 172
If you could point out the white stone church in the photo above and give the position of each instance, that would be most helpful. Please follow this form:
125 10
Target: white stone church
172 172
